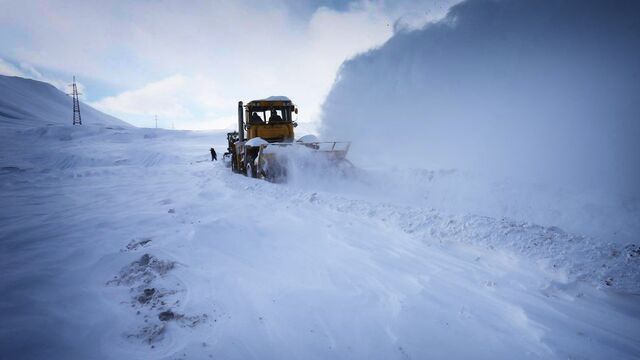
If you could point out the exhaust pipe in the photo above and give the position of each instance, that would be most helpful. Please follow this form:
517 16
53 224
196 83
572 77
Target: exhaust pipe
240 121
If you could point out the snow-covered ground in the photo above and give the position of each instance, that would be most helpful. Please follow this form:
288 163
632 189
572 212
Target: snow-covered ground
125 243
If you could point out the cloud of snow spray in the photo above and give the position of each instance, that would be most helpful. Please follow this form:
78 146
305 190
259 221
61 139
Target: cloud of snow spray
311 168
542 93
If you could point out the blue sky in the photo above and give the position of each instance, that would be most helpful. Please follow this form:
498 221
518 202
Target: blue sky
190 62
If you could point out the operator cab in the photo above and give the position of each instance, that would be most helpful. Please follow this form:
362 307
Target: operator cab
270 119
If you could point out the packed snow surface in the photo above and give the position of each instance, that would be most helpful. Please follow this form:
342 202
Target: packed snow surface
125 243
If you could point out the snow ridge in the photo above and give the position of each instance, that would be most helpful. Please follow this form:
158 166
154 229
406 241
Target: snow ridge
569 256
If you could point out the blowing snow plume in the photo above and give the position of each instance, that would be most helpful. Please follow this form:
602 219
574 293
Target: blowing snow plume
316 165
543 92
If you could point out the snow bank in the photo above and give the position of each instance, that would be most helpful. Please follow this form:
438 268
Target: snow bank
455 191
520 92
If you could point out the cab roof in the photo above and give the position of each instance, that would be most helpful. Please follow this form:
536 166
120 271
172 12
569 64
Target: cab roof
271 101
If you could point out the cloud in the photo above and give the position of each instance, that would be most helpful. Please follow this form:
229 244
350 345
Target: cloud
176 99
28 71
250 49
256 52
9 69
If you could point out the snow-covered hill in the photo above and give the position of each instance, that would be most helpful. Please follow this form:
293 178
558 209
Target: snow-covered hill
26 102
127 243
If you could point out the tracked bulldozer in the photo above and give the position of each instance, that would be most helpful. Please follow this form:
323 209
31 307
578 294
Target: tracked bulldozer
265 147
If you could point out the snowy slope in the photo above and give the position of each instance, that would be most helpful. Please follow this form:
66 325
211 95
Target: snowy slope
129 243
26 102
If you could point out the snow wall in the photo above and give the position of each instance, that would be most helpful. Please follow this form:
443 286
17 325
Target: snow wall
545 92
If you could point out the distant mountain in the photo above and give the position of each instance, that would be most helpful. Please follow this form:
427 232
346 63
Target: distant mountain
26 102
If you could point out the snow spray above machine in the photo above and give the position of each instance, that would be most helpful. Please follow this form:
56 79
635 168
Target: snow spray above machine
266 147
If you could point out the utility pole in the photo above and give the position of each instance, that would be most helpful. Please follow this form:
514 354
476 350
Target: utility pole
77 119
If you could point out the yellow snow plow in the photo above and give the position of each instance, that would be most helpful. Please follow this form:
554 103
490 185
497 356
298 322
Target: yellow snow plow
265 147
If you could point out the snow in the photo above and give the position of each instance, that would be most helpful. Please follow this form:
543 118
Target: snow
127 243
256 141
539 125
276 98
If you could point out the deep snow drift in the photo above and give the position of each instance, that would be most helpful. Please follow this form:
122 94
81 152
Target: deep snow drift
534 105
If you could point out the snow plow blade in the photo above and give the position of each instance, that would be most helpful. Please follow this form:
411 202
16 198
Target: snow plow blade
276 160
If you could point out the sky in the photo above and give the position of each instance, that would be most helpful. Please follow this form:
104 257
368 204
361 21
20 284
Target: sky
189 63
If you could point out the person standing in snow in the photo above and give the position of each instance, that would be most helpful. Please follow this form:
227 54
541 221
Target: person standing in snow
214 157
